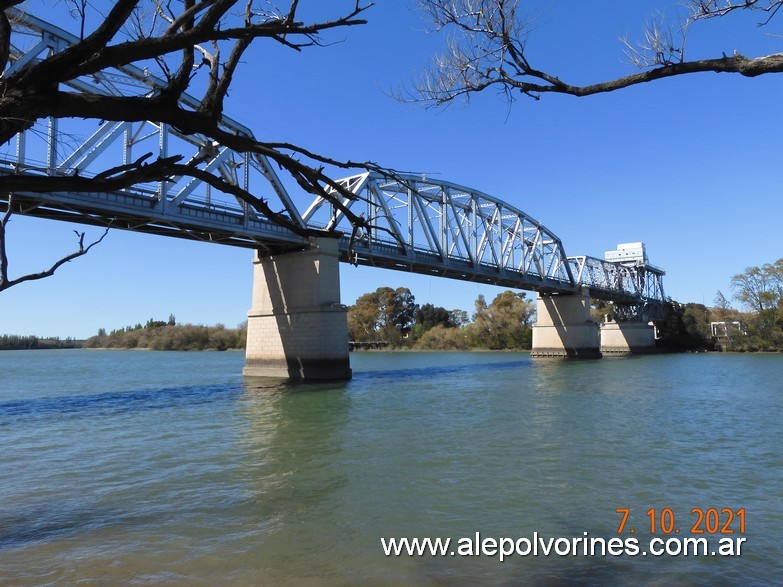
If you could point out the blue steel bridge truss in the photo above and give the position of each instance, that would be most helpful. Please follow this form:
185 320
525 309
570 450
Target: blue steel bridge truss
415 224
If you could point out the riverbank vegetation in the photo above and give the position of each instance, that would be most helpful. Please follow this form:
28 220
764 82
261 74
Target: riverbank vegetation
170 336
392 316
756 328
14 342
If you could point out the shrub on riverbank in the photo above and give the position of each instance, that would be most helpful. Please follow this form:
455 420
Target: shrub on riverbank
14 342
161 336
392 317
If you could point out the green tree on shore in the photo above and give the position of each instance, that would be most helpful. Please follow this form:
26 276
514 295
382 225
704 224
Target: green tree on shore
384 315
428 316
391 315
761 290
503 324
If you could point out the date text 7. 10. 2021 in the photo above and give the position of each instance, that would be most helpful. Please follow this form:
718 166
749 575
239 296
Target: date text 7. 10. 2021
703 521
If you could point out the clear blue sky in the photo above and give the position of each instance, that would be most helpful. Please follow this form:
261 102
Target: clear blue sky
690 166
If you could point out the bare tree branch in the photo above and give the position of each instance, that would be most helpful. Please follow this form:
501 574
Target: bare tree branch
187 15
489 42
3 251
704 9
57 67
5 41
4 4
6 283
213 104
72 105
93 54
169 35
661 45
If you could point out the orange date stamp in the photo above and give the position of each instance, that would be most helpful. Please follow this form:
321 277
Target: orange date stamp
702 521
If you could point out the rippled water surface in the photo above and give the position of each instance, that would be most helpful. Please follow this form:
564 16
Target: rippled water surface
170 468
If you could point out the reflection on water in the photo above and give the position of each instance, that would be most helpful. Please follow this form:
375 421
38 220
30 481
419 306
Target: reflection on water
289 443
207 478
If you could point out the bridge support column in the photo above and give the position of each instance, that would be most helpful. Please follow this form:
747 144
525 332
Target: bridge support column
627 338
297 328
564 328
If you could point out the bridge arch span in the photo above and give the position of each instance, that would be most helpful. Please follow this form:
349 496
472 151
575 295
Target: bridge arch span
442 228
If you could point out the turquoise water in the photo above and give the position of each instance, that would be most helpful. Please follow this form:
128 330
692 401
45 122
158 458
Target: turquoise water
170 468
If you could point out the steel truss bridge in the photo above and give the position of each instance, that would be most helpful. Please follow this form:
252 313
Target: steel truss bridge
415 224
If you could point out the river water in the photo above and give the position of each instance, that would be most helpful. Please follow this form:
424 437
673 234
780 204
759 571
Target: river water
170 468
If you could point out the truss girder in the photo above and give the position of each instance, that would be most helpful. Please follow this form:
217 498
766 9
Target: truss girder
81 148
435 223
413 223
629 284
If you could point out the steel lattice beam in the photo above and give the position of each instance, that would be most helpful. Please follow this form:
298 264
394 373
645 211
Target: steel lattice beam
79 148
416 224
441 228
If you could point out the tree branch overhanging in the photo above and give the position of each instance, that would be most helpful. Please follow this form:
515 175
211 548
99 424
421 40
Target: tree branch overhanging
311 178
489 39
86 57
200 24
170 37
6 282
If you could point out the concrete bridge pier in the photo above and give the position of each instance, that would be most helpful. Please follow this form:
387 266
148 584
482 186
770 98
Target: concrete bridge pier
564 327
627 338
297 328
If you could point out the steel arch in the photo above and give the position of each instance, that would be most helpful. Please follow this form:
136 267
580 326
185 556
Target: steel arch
439 227
416 224
184 206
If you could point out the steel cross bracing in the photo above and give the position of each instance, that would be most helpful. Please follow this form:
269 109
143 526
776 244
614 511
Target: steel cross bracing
614 282
416 224
183 207
440 228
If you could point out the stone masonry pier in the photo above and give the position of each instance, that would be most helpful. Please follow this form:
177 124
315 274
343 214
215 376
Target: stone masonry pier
297 328
564 328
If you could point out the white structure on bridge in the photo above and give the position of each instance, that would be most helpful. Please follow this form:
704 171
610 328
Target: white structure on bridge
628 253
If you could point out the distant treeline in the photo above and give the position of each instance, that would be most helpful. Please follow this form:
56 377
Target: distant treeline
393 317
14 342
698 327
756 328
758 289
170 336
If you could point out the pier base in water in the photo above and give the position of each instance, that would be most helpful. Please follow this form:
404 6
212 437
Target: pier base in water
564 328
297 328
627 338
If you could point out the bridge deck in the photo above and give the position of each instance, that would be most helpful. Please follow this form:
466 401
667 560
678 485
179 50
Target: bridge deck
416 224
138 211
